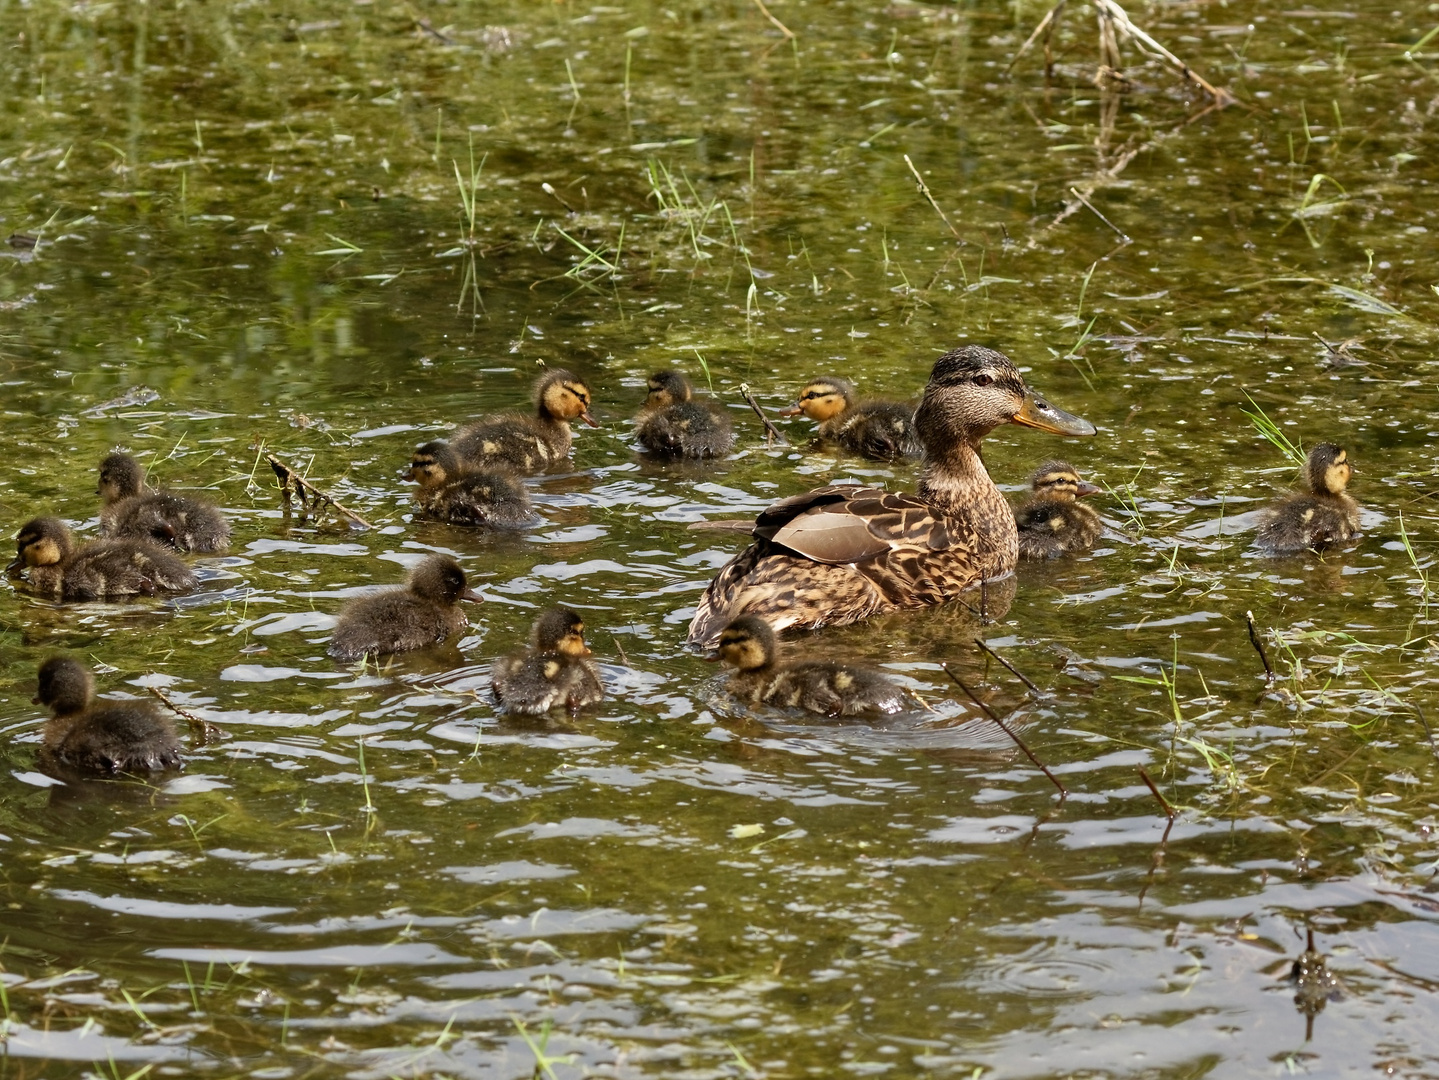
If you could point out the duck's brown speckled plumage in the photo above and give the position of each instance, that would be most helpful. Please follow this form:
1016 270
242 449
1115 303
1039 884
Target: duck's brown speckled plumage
842 553
880 430
98 570
1324 516
422 612
556 670
457 495
133 511
673 425
106 737
1051 521
528 444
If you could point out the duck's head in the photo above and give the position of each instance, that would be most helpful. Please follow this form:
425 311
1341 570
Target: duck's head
41 541
823 398
65 686
971 391
1060 480
120 477
561 630
1328 469
564 397
747 643
433 464
667 388
441 579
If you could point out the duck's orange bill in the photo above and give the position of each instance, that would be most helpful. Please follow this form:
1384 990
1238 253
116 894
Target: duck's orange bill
1038 413
790 410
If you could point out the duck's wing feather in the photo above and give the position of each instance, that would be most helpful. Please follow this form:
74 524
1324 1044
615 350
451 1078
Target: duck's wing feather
849 524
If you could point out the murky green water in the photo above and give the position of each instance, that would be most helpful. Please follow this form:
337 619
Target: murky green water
253 212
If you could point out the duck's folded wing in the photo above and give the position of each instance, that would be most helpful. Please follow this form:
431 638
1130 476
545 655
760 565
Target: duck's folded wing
844 524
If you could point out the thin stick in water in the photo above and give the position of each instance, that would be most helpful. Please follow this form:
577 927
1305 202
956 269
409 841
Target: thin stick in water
770 431
621 649
924 190
781 27
203 729
1168 810
1063 792
290 480
1424 720
1254 640
1036 691
1122 234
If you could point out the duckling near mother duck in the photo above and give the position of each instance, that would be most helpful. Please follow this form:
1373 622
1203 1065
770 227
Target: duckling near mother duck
457 495
98 570
109 737
818 686
1323 516
424 611
528 444
132 510
842 553
880 430
1051 522
673 425
554 670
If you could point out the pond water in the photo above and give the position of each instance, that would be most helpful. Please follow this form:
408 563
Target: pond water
334 230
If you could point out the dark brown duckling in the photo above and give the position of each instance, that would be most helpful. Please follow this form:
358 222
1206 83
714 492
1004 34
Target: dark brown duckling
424 611
132 511
528 444
1322 517
879 430
818 686
555 670
457 495
107 738
672 424
1051 521
99 570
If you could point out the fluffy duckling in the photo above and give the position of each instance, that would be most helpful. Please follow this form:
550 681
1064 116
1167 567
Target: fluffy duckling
133 511
424 611
1051 522
528 444
670 423
880 430
99 570
1324 516
818 686
451 493
110 737
554 670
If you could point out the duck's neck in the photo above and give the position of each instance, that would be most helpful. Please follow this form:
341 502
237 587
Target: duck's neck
556 431
957 484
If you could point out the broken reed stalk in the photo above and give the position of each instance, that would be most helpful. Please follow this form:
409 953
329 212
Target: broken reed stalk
781 27
1078 195
770 431
1168 810
1425 721
198 724
1036 691
1050 20
291 481
1063 791
924 190
1269 675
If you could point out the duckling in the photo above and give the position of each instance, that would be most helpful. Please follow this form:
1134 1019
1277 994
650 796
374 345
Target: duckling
818 686
844 552
528 444
671 424
98 570
554 670
1320 518
880 430
424 611
111 737
451 493
133 511
1051 522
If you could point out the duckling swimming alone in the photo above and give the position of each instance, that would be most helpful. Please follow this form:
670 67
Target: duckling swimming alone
1051 522
1322 517
98 570
554 670
528 444
673 425
456 495
818 686
110 737
131 510
880 430
424 611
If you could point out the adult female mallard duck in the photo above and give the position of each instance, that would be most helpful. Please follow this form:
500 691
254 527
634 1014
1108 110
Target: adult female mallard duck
1323 516
528 444
133 511
99 570
109 737
554 670
881 430
456 495
842 553
673 425
1051 522
819 686
424 611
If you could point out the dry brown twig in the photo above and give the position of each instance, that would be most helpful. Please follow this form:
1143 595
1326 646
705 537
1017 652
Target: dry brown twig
1014 735
924 190
292 483
781 27
770 431
205 730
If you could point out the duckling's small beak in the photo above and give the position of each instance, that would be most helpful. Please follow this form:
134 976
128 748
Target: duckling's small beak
472 596
710 658
1038 413
1086 488
790 410
588 419
407 473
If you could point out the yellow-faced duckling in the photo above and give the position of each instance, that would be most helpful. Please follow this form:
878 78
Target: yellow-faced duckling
528 444
819 686
673 425
424 611
1322 517
842 553
881 430
133 511
107 737
98 570
555 670
1051 522
457 495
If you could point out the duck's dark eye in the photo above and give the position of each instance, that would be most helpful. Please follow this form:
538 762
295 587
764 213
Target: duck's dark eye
983 380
